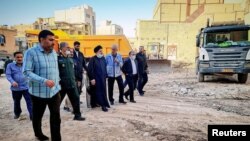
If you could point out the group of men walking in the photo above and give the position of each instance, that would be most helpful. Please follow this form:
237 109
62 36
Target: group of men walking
45 77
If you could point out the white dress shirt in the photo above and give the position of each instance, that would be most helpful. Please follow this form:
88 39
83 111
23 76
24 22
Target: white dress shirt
77 52
133 67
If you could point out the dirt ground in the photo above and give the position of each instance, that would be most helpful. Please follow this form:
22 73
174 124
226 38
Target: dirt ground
175 108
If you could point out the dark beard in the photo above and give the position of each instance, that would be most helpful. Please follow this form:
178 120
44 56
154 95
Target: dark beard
19 64
76 49
51 48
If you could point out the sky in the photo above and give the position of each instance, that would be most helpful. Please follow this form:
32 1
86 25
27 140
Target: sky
122 12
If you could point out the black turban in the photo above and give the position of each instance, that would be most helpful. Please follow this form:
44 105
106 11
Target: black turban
97 48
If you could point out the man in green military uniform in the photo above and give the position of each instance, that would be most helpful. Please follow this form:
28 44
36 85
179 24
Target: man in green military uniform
68 83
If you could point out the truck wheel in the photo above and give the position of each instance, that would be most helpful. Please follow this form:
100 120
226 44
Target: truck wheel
242 77
201 77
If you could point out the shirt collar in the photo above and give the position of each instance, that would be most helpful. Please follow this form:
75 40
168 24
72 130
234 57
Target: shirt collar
42 49
14 62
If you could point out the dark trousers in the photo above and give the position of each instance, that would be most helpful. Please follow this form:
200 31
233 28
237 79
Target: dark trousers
39 106
17 96
143 79
125 83
93 101
74 99
119 81
131 81
79 88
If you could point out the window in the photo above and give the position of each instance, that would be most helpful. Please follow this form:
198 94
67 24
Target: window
86 28
87 15
2 40
117 30
227 39
36 26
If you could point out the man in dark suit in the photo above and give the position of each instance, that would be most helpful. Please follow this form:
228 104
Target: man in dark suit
79 64
130 69
142 70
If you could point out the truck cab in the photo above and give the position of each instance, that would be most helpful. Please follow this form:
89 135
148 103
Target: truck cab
223 49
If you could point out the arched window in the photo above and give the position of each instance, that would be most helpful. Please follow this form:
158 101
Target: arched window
2 40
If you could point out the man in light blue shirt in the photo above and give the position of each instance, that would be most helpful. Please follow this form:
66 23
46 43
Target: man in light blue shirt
114 63
19 85
41 68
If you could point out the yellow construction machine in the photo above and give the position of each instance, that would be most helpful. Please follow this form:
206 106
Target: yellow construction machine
88 42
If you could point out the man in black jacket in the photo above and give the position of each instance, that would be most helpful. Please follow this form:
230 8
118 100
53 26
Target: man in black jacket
142 70
130 69
79 64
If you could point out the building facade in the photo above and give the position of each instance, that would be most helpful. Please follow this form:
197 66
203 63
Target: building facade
44 23
21 28
7 41
80 16
107 28
171 34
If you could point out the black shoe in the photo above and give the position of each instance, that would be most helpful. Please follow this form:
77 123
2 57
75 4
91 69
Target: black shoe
42 137
66 109
108 106
132 101
16 116
112 102
143 92
140 93
95 105
104 109
79 118
126 95
123 102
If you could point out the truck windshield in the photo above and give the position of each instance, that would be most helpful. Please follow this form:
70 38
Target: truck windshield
227 39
